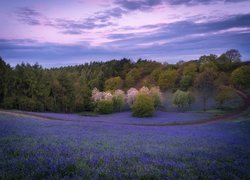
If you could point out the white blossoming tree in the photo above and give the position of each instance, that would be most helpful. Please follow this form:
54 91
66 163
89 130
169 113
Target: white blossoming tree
144 90
96 95
131 95
107 96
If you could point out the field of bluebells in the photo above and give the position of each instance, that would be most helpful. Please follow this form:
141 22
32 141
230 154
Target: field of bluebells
37 148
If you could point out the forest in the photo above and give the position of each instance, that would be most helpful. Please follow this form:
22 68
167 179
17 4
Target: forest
70 89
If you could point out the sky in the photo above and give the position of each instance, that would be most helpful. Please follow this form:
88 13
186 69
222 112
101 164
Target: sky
57 33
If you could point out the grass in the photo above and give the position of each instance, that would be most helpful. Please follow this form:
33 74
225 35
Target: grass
88 113
36 148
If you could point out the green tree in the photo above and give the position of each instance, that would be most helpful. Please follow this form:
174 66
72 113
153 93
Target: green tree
113 83
66 92
211 65
186 82
4 68
190 70
155 74
206 59
85 92
78 89
233 55
227 60
146 66
132 77
31 87
208 63
240 77
143 106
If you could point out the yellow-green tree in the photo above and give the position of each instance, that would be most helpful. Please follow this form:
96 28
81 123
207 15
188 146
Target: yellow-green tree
167 79
113 83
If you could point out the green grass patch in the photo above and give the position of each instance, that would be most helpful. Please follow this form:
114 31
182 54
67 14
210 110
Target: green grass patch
89 113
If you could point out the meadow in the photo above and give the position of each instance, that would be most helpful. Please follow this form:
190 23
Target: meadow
77 147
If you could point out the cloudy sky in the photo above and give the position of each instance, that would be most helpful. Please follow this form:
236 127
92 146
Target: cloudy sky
68 32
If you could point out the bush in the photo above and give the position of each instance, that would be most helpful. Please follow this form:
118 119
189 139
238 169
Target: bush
104 107
143 106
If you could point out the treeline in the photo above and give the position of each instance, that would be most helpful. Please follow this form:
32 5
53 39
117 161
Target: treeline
68 89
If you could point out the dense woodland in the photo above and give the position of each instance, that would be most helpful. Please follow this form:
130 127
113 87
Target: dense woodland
68 89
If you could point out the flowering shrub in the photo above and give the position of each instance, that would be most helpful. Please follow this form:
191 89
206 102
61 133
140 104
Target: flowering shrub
143 106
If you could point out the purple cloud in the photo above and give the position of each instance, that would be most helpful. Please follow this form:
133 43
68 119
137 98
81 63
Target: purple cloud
28 16
149 4
170 31
99 20
138 5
